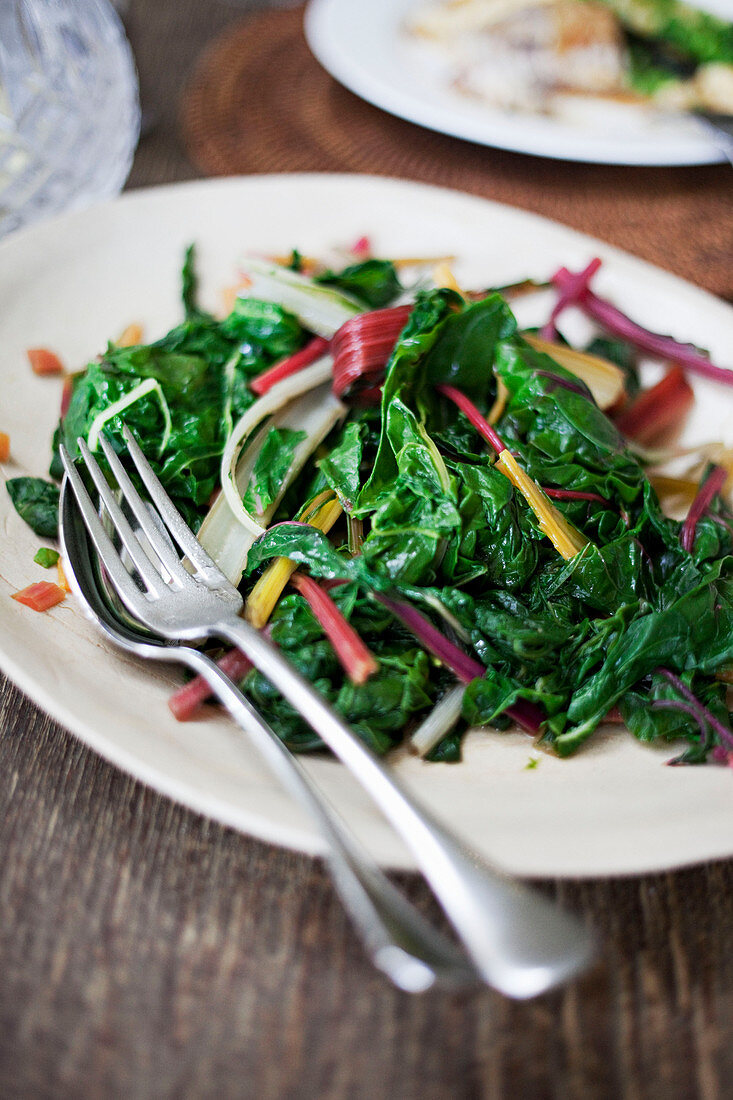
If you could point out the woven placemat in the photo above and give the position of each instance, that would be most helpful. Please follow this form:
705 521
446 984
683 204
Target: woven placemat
258 101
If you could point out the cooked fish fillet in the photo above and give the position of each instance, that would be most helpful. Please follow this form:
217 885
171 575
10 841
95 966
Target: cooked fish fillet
516 53
543 55
453 17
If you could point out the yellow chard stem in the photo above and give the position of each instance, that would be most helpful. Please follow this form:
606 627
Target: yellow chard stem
566 539
605 380
443 276
263 598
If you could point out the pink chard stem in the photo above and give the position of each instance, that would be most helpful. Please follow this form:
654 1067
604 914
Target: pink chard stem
465 668
574 290
475 417
701 712
355 659
714 483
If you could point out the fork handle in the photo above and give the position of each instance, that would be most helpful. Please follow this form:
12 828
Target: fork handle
520 942
397 938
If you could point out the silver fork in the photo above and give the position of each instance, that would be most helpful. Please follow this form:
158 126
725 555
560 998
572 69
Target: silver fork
397 938
519 942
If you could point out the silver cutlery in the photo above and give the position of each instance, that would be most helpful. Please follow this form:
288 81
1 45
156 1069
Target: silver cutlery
397 938
518 941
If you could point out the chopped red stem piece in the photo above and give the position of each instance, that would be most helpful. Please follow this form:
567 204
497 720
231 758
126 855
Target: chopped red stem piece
40 596
185 702
658 409
356 660
66 394
43 361
362 346
713 484
476 418
573 289
308 354
573 494
609 317
361 248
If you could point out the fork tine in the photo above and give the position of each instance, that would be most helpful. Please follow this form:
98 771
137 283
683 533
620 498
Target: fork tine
143 564
177 526
163 548
118 574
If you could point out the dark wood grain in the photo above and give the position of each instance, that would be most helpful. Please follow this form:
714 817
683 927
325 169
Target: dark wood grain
146 952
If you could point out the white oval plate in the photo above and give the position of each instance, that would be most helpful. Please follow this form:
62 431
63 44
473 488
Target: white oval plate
72 283
364 47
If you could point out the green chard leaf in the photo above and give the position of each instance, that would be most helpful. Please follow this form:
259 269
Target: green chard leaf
37 502
439 525
373 282
189 284
271 465
202 367
341 467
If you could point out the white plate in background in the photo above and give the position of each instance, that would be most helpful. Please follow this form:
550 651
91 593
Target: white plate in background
363 45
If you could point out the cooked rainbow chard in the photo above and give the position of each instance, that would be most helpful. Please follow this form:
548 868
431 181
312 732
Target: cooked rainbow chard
477 542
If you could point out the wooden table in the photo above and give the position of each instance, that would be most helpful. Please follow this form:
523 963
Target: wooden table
147 952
